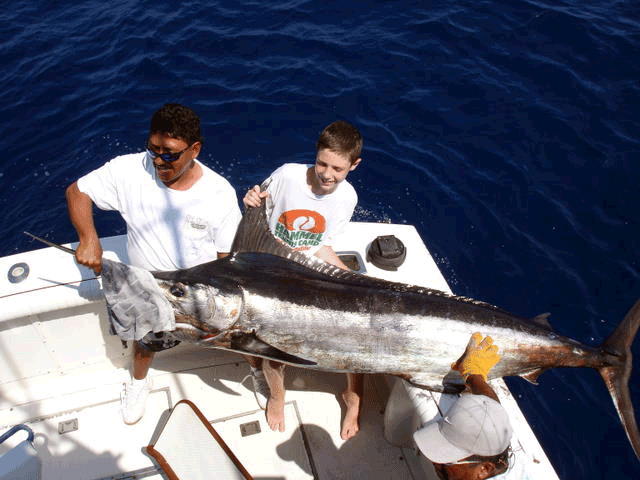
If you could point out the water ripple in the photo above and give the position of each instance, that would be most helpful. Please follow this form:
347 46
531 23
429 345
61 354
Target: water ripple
507 133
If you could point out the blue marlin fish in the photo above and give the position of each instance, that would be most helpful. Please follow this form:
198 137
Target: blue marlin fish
267 300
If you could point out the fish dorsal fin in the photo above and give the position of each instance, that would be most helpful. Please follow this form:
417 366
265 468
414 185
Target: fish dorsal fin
254 236
542 320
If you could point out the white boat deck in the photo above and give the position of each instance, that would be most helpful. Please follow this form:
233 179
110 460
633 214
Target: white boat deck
61 374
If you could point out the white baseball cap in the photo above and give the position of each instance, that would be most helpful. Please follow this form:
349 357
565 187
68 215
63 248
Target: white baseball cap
474 425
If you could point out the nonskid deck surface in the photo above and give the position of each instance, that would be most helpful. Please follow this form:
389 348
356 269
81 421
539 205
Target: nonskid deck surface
102 446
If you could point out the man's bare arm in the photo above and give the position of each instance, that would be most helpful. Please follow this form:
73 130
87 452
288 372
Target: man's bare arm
80 207
327 254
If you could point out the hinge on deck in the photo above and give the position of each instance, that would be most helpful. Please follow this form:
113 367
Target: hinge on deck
68 426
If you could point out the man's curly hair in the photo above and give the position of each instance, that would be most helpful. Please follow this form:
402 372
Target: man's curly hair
177 121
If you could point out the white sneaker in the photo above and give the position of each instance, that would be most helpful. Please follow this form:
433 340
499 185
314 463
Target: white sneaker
133 398
260 387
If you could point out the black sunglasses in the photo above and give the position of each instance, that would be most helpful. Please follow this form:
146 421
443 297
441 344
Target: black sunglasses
167 157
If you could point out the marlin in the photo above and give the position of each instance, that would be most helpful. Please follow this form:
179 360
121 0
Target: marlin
267 300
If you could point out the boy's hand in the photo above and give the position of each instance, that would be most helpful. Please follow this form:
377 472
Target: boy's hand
253 197
479 357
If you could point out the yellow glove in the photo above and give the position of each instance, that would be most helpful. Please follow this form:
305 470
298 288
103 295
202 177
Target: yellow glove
479 357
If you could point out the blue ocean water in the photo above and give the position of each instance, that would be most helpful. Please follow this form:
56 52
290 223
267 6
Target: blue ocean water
506 132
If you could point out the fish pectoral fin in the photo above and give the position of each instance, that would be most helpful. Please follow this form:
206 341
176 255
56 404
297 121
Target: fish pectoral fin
532 376
249 343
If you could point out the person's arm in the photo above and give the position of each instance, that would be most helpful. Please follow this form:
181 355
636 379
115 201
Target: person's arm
327 254
340 222
476 362
80 207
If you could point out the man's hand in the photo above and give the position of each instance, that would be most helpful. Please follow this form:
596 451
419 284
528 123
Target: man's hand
254 196
479 357
89 254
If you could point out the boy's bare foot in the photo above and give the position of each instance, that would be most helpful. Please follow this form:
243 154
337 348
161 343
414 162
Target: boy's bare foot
350 424
275 414
274 374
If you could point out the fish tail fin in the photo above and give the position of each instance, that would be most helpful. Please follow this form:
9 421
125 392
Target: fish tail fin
616 377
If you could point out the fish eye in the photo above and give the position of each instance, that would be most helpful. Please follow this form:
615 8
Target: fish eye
177 290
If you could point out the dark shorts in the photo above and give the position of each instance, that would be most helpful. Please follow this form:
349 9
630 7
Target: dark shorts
156 342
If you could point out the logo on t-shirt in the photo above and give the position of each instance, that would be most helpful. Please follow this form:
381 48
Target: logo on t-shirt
300 229
196 222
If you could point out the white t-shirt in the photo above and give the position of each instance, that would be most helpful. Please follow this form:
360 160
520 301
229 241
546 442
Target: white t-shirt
301 219
167 229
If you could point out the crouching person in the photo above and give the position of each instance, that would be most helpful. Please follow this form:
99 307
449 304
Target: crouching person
472 440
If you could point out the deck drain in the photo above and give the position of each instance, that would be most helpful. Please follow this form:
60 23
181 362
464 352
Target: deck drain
251 428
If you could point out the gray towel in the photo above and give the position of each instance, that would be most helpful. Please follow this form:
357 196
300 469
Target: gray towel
137 303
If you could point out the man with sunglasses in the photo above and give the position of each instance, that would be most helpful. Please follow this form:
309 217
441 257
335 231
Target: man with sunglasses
471 441
179 213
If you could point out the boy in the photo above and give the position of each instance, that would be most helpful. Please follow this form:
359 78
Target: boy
307 206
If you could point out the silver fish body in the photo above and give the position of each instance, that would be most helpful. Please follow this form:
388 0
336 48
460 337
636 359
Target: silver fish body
282 305
357 324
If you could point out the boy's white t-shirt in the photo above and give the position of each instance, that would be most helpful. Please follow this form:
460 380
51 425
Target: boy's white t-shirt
301 219
167 229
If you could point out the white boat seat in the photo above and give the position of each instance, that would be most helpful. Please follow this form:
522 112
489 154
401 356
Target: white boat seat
187 447
21 462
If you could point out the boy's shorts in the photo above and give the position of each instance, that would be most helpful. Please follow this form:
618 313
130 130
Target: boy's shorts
156 342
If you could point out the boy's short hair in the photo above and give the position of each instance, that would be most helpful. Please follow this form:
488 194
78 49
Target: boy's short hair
177 121
343 138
